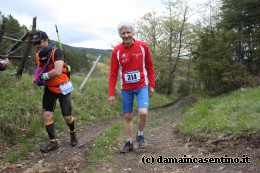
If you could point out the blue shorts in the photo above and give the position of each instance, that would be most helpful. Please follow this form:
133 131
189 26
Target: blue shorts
142 96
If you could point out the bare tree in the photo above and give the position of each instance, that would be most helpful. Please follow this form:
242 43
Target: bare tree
175 33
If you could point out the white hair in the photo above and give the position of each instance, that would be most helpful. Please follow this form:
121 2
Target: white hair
126 24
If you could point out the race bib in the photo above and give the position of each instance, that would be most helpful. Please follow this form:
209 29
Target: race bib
66 88
132 76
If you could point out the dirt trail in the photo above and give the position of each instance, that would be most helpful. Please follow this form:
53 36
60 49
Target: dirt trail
66 159
163 142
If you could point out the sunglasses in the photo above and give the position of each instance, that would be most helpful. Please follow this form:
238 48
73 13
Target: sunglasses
38 42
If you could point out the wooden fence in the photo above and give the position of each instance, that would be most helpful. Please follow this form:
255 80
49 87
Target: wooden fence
25 39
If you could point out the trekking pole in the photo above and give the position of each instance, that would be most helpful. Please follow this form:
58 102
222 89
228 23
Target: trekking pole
58 37
60 45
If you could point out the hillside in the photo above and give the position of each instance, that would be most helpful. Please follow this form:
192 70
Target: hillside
89 51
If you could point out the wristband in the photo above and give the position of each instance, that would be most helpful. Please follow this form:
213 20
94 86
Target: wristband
45 76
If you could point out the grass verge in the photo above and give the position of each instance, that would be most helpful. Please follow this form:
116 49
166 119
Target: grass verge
237 113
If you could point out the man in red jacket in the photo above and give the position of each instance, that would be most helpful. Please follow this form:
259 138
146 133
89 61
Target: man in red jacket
133 61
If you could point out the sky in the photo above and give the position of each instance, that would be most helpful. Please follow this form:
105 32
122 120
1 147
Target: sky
81 23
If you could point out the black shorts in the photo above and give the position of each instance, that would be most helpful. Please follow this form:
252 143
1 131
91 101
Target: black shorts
49 102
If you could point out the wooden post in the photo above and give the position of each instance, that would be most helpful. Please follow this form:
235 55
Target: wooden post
28 49
2 30
89 73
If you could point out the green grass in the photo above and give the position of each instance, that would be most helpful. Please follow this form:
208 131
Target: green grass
165 119
22 151
237 113
159 100
103 147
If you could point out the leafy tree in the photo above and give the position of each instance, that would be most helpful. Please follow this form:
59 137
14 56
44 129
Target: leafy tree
150 30
169 37
214 64
78 61
243 17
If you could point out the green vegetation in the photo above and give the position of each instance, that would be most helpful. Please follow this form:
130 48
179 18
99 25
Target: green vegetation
168 118
236 113
104 144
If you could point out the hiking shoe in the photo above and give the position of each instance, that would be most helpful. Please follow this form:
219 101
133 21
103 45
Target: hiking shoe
141 141
52 145
127 147
73 139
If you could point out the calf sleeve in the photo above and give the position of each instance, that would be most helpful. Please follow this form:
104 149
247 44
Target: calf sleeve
50 130
71 125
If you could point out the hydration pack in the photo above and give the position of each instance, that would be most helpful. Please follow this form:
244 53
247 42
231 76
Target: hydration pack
42 68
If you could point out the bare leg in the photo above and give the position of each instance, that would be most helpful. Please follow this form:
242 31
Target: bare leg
128 121
143 112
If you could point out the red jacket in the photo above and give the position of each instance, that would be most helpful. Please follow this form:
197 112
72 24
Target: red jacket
134 65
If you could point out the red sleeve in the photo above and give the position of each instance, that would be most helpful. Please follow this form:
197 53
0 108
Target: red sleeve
150 68
114 66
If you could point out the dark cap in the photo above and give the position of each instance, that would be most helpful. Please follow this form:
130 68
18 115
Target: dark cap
38 36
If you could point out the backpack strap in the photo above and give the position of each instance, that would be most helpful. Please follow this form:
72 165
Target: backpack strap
52 56
53 52
37 59
67 72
